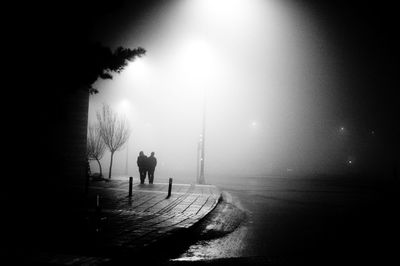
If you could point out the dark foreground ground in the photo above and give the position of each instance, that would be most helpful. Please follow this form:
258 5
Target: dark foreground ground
281 221
106 226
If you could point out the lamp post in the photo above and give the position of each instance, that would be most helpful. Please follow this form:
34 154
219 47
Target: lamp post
197 53
198 158
201 152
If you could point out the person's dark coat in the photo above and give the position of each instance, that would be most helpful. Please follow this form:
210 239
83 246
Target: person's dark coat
151 163
142 161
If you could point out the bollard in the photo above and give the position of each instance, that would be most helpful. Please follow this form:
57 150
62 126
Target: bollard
98 218
169 188
130 186
98 204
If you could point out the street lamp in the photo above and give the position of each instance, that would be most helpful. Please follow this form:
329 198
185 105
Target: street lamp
201 179
198 158
198 53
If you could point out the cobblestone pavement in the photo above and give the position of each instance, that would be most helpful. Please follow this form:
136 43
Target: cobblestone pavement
112 224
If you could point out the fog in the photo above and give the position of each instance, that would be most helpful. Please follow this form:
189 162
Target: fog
263 71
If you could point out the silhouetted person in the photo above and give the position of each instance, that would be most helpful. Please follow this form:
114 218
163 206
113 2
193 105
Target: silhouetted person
151 164
142 164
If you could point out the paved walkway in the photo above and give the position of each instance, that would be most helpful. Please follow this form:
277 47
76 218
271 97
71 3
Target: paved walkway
124 225
149 215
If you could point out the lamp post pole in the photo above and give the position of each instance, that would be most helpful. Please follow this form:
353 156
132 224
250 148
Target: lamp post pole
201 179
198 159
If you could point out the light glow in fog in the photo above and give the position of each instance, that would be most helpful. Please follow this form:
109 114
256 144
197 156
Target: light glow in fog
245 59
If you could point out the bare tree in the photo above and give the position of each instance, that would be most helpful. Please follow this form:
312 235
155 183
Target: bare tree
95 145
114 131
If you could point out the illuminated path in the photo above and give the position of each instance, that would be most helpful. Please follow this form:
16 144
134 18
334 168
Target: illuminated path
148 215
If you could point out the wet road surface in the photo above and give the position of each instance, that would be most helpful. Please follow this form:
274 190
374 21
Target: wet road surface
292 221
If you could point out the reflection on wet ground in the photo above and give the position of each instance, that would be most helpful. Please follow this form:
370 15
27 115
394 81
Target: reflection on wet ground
218 234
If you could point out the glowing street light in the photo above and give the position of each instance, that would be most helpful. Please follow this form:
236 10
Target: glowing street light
254 124
198 53
123 107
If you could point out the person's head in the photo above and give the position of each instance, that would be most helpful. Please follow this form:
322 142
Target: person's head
141 153
152 153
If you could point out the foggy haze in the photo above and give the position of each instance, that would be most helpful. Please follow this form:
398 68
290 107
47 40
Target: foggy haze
267 74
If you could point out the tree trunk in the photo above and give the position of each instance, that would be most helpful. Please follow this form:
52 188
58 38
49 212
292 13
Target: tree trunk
111 162
101 171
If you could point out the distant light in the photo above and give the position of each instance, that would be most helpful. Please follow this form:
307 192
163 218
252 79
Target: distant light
350 162
254 124
373 132
123 107
341 128
138 69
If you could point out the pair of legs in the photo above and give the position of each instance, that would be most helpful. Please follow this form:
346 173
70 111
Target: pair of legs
142 173
151 176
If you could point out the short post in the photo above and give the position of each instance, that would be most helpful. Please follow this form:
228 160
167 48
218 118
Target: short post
130 186
98 204
99 220
169 188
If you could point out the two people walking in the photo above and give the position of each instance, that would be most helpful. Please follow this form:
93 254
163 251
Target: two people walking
147 165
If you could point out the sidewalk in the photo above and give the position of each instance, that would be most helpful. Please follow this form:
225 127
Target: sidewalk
127 226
